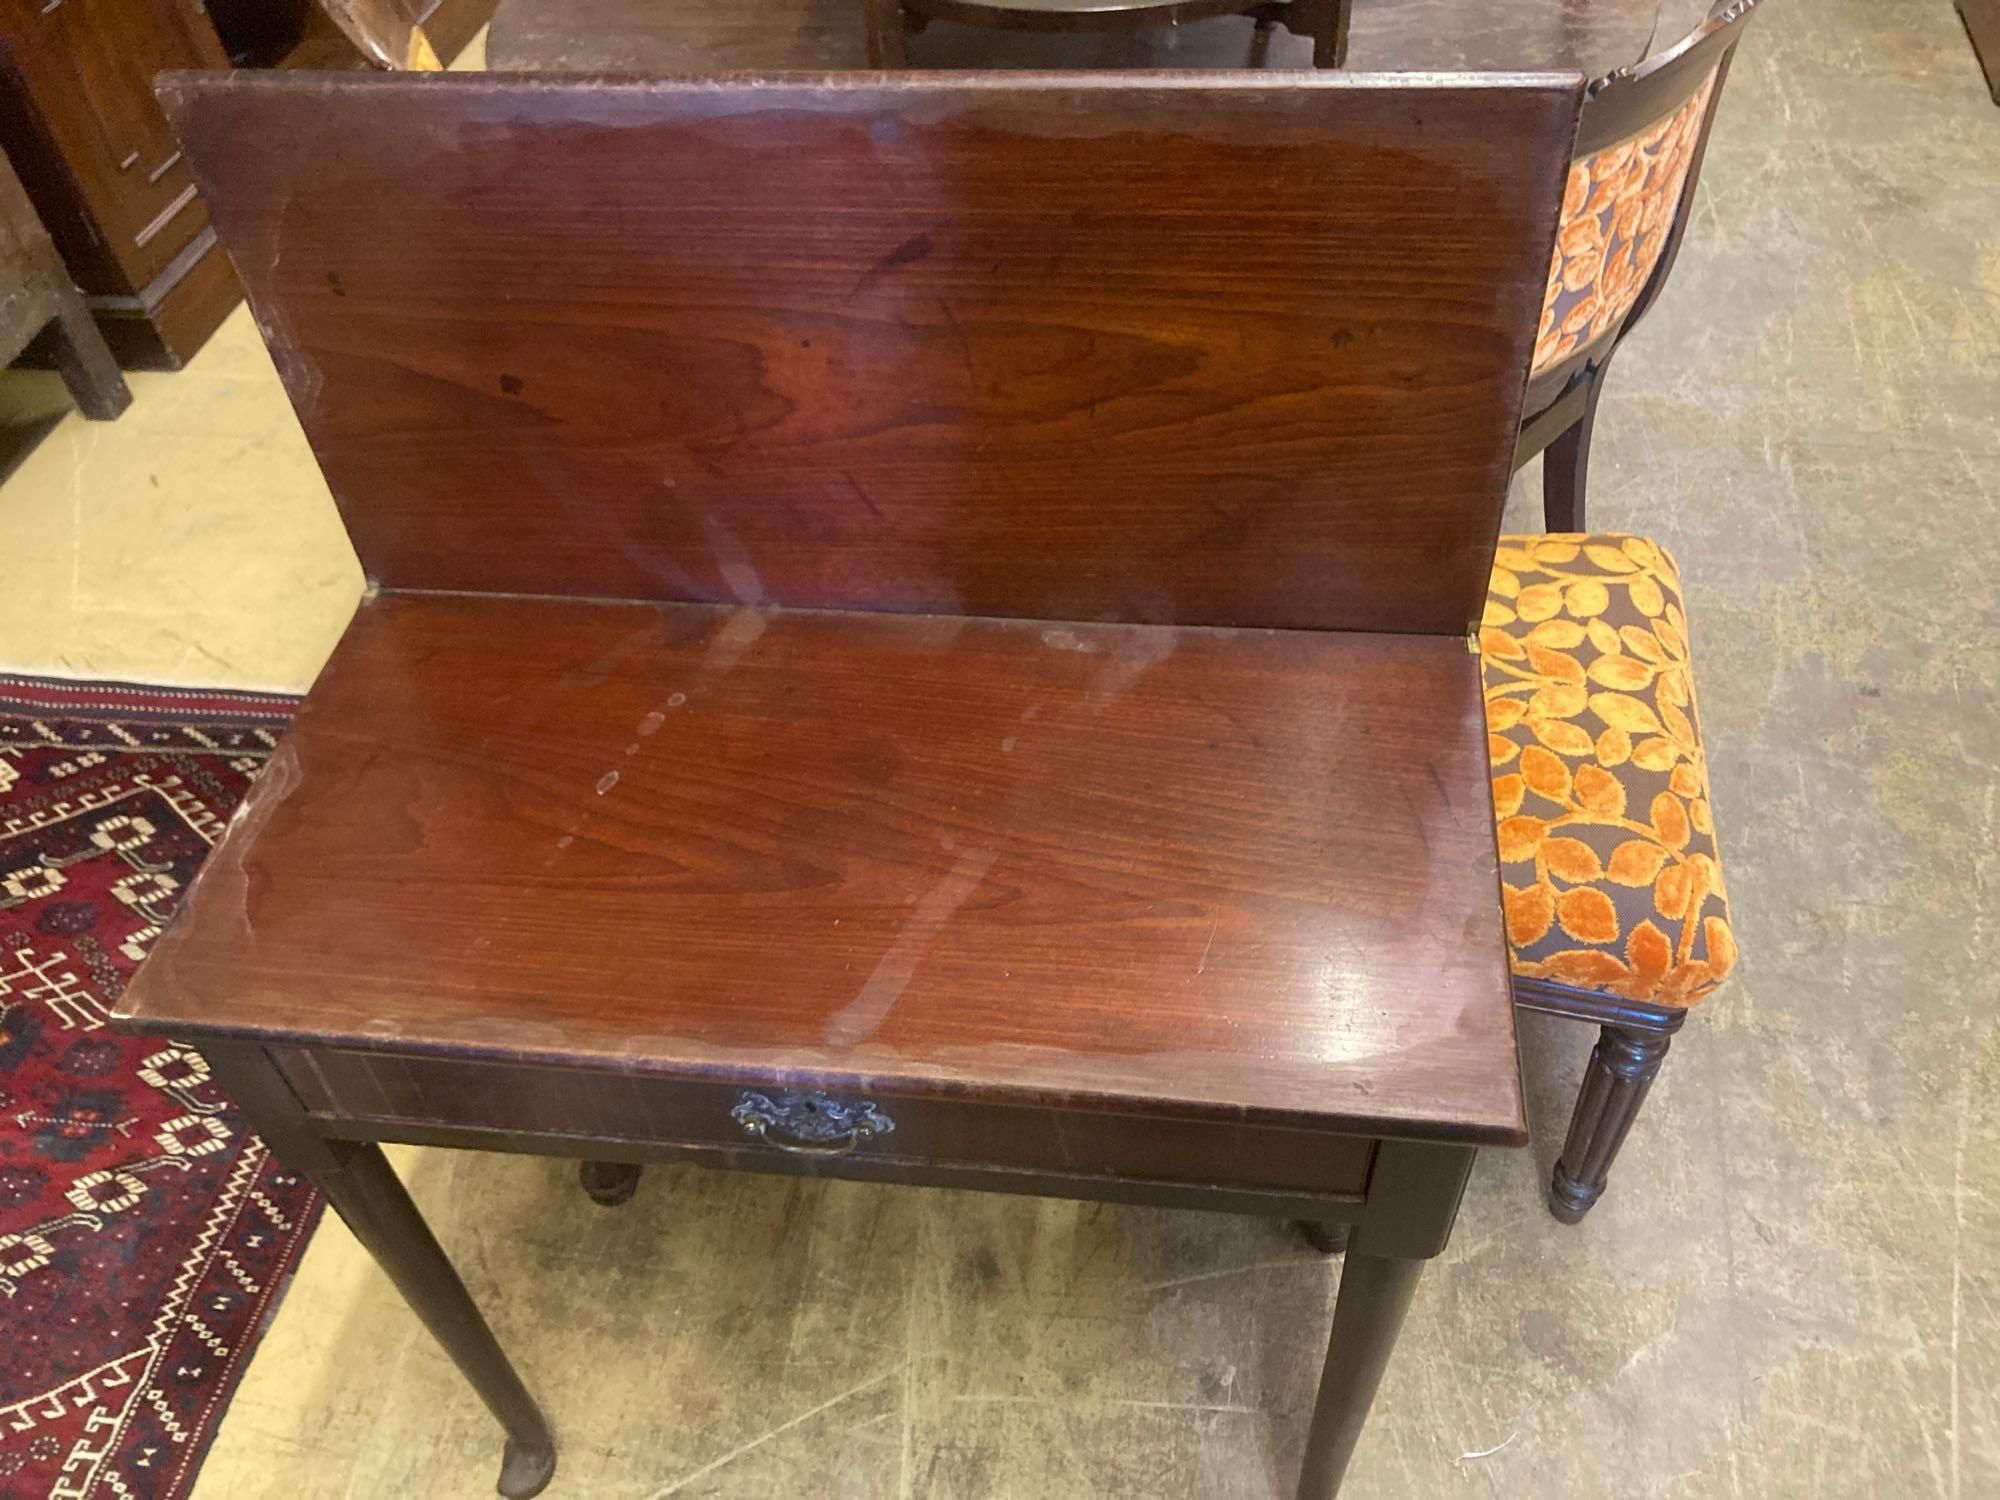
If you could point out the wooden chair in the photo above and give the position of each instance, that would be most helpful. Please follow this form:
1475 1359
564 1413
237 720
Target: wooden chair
1617 913
1324 21
1639 146
40 306
1616 907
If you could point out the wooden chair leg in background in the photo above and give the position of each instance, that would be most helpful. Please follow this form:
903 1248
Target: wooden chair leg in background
884 19
1324 21
1260 39
1566 463
609 1183
1330 34
85 362
1622 1068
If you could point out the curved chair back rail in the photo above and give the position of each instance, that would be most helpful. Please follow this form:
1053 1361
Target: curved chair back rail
1639 146
1623 103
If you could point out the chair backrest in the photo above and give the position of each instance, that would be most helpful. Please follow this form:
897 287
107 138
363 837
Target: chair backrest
1639 144
1203 349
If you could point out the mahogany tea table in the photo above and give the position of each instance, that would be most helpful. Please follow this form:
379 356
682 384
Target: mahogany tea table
917 632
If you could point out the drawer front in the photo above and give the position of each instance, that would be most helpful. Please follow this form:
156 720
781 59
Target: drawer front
103 164
800 1121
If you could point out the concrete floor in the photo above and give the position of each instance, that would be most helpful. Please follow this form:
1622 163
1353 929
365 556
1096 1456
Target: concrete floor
1791 1288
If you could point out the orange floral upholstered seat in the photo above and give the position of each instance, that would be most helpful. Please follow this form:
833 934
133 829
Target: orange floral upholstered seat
1600 787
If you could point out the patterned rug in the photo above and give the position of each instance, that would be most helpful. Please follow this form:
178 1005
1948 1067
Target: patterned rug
145 1235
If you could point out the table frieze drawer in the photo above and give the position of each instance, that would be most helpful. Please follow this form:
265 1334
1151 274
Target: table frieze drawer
800 1120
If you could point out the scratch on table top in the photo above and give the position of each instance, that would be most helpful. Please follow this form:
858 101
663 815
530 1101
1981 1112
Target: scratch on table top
1067 640
732 639
1135 652
1213 924
859 1018
230 864
732 560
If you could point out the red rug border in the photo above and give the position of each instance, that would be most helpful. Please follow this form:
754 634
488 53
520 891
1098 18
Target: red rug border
239 1363
30 696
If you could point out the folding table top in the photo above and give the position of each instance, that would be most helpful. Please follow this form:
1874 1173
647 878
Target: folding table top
954 584
1241 873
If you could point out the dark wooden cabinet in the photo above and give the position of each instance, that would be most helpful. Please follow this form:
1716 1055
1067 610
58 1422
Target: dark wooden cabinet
78 118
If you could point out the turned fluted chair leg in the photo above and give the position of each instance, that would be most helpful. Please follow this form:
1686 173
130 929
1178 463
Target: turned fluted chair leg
609 1183
1622 1068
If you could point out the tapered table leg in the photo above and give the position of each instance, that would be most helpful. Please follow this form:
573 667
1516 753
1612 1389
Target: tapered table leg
364 1190
1375 1292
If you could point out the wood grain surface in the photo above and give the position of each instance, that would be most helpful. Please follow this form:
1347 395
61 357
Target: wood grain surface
1194 349
1234 875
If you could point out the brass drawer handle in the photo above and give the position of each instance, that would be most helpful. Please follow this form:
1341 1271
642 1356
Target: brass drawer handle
814 1124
